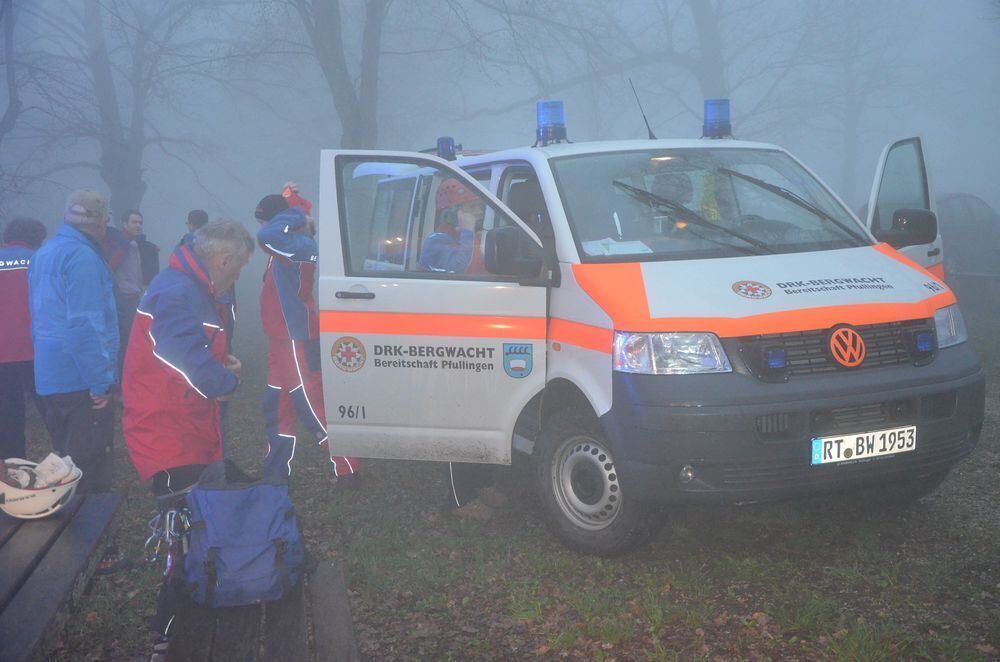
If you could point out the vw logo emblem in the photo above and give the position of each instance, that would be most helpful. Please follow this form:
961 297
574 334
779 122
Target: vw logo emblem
847 347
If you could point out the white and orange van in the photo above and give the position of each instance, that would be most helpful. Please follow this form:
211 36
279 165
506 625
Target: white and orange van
651 321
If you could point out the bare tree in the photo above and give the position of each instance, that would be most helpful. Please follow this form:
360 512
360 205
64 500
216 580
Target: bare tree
12 86
14 104
679 52
104 72
356 102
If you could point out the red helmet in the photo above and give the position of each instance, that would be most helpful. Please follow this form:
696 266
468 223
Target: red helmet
452 192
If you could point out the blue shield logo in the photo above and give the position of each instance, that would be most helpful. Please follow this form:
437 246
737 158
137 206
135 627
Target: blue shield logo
516 360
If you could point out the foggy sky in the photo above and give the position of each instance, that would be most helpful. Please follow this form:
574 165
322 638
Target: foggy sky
942 83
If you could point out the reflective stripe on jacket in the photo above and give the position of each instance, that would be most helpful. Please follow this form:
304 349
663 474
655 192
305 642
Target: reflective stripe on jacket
174 370
287 301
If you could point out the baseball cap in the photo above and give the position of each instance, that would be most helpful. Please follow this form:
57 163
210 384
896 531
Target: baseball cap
84 206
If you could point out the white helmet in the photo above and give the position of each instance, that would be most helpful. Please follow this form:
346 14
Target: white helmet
35 502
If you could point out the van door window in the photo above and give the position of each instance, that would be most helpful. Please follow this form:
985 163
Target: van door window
415 219
520 189
903 185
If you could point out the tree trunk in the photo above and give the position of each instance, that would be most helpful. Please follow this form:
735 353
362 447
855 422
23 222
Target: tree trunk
122 172
711 70
14 104
356 107
121 148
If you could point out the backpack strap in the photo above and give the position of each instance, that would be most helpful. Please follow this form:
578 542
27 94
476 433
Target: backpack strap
280 545
211 576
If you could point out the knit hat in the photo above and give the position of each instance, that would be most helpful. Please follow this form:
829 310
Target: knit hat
197 218
269 207
84 207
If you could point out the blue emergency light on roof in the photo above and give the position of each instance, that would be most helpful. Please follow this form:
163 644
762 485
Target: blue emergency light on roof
551 122
446 148
717 123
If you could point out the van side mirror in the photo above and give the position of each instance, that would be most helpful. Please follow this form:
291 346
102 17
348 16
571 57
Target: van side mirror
510 252
910 227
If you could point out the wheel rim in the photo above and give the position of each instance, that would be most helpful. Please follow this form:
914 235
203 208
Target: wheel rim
585 483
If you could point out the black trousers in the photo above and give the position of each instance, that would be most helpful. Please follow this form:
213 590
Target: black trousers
86 434
173 591
126 306
16 379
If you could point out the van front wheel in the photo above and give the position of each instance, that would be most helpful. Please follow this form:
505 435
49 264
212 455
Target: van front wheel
579 489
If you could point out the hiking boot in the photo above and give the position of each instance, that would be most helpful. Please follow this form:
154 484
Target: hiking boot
160 648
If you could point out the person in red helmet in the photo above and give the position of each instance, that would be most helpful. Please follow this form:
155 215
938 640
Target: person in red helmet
288 311
451 247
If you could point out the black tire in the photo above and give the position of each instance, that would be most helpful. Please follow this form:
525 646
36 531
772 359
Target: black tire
581 497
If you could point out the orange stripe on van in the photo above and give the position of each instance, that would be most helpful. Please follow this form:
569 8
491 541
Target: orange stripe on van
801 320
889 251
581 335
432 324
620 291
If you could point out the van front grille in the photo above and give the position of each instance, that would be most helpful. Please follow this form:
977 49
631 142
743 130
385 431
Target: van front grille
806 352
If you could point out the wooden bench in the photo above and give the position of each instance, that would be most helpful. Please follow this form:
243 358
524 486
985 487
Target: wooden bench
45 565
273 631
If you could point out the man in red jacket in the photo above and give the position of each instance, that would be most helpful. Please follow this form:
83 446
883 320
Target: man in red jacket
177 368
288 312
21 238
178 372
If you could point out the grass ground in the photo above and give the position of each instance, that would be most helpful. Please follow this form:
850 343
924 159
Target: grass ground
819 579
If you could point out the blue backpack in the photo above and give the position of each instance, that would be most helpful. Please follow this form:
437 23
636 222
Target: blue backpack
245 545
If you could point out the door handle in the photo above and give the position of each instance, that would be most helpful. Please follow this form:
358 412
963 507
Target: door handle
354 295
933 252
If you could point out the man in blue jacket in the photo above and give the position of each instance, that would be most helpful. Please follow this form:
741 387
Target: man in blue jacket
74 327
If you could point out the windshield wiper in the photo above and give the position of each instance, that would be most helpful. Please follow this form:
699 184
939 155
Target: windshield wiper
797 199
686 214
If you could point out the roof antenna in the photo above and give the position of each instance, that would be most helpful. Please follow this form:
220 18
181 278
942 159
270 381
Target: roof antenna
651 136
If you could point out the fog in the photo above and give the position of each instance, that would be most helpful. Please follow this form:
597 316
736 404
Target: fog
212 103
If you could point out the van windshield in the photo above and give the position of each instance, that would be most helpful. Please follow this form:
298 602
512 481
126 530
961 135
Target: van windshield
698 203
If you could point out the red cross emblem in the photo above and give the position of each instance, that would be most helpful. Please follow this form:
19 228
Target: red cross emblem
348 354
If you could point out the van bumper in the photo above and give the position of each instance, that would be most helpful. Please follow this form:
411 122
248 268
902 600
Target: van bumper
748 440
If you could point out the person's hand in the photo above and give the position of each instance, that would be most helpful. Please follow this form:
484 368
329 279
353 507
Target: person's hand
233 365
100 401
466 221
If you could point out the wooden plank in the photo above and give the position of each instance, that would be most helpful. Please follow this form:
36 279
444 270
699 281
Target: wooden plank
41 604
8 525
25 549
237 634
286 633
333 629
191 633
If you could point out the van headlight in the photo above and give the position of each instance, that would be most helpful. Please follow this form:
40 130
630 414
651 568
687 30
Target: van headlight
669 353
949 326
